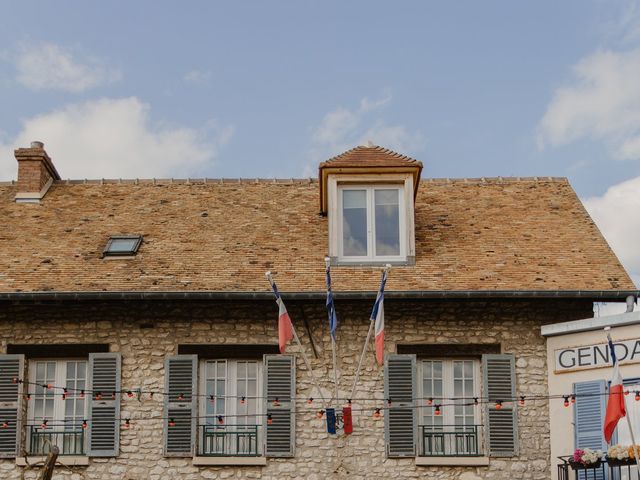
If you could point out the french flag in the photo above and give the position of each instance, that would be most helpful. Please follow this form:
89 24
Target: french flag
377 316
615 403
285 327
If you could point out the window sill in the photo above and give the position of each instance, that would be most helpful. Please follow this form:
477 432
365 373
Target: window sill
452 461
239 461
410 261
68 460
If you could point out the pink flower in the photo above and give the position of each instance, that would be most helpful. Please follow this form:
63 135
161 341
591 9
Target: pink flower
577 455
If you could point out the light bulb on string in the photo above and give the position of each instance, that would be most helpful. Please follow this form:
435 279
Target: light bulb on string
276 402
81 393
498 404
172 422
309 400
129 393
43 425
430 401
475 401
320 414
269 419
127 423
376 414
637 396
98 396
388 402
243 400
566 401
220 420
436 411
573 398
5 424
84 424
64 393
522 400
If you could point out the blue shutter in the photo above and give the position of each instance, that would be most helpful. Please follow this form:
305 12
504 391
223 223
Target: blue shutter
588 415
11 366
104 414
400 417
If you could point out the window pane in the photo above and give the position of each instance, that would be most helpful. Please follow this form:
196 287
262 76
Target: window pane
387 213
123 244
354 223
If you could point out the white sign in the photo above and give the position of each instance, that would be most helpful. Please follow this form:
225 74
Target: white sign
596 356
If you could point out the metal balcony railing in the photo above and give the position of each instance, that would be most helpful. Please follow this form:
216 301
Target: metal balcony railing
602 471
450 441
229 440
70 441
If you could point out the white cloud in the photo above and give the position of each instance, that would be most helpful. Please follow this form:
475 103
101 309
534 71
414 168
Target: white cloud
50 67
343 128
616 214
603 104
113 138
197 77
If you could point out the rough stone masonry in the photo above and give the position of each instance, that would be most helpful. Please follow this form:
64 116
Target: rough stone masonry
145 332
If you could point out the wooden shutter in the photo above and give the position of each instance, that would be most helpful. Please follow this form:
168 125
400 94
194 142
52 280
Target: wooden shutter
11 367
588 413
400 418
104 413
498 374
180 405
280 383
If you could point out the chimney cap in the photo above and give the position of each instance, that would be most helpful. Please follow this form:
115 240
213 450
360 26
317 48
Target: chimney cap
37 144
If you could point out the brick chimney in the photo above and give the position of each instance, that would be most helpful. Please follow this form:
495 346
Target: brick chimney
36 173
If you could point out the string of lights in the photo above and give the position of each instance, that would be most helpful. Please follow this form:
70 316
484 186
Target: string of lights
139 393
437 404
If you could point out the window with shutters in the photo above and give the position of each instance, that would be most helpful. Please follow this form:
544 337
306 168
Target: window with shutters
454 429
231 409
56 416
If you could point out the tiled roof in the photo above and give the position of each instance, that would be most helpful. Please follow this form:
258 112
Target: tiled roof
364 156
221 235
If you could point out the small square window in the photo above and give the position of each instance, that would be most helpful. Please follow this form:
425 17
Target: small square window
122 245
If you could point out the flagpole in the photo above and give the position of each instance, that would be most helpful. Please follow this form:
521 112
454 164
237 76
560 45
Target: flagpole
297 339
624 400
364 348
327 261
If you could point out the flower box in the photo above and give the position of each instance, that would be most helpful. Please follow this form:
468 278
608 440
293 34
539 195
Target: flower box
581 466
616 462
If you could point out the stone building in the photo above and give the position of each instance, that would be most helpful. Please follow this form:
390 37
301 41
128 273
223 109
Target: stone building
138 332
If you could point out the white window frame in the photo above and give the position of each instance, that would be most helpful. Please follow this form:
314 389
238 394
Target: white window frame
59 403
232 401
404 183
448 411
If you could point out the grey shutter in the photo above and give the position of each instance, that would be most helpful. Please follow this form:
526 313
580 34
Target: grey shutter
280 383
11 366
588 413
498 374
400 418
181 375
104 414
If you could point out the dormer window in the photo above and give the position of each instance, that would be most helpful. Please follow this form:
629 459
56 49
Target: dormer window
372 224
368 194
122 246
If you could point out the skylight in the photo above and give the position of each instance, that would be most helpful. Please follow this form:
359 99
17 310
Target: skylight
122 245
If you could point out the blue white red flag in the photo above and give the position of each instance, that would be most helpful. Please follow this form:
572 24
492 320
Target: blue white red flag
615 403
331 308
285 327
377 316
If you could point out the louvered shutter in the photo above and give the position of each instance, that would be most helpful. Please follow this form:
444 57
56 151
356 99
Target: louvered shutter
498 373
104 413
180 405
280 383
588 414
11 367
400 418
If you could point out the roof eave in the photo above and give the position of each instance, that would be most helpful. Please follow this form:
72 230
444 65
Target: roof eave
593 295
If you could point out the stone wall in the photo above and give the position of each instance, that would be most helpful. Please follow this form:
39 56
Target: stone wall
145 332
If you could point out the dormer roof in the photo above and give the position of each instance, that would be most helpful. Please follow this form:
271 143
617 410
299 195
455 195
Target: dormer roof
367 159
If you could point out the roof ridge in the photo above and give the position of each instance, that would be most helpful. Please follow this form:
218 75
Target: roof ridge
284 181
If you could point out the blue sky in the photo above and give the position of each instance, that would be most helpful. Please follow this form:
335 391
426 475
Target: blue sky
263 89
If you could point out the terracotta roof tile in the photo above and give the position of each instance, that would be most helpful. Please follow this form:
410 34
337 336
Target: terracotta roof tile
221 235
365 156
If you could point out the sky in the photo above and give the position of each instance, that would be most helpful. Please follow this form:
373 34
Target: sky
269 89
